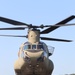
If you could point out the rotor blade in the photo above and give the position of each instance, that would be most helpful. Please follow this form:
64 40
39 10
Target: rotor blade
55 39
14 28
44 26
13 22
12 36
53 28
73 24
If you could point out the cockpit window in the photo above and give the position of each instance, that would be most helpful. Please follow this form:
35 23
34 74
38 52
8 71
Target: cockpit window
40 47
27 47
34 47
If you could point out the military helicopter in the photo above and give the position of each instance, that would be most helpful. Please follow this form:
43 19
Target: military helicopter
34 54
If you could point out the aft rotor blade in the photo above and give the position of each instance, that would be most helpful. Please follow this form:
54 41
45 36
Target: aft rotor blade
14 28
53 28
13 22
55 39
12 36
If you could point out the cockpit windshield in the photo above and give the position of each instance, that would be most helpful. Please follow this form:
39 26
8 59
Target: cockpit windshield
40 46
26 47
34 46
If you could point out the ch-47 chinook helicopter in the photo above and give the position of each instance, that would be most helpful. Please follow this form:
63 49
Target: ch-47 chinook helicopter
34 54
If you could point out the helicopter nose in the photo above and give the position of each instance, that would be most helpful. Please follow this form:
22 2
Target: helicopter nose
33 55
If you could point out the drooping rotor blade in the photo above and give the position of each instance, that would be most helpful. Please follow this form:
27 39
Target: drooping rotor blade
55 39
13 22
14 28
42 38
12 36
62 22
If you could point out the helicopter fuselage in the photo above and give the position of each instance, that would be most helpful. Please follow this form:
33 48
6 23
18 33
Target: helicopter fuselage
33 59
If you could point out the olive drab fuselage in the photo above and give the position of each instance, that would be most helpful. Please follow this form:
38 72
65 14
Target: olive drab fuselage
33 57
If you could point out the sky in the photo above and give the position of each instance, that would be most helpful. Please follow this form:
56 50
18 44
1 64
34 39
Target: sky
38 12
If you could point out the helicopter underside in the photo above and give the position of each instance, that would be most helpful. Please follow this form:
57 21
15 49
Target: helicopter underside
34 68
